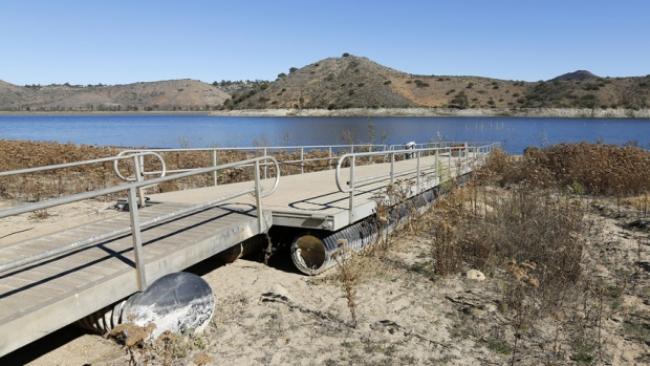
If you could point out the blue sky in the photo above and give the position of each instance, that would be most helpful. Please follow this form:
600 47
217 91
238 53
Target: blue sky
125 41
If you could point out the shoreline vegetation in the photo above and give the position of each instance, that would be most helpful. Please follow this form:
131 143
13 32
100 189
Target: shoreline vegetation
618 113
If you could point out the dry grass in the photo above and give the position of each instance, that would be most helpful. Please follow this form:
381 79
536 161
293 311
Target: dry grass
534 235
522 222
580 168
349 275
640 203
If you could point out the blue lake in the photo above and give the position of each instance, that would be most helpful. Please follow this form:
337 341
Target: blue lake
200 130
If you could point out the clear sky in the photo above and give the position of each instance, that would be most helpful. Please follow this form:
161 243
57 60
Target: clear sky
86 41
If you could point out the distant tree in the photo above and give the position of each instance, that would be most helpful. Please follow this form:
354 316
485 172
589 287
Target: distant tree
281 75
293 69
346 54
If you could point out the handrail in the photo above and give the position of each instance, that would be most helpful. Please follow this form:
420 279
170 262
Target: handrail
265 150
445 143
136 226
466 152
251 148
74 164
126 186
141 155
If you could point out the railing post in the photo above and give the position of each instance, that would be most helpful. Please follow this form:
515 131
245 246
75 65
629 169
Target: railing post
137 168
417 172
215 162
137 240
475 158
330 162
302 159
392 168
351 213
258 198
266 166
449 162
435 162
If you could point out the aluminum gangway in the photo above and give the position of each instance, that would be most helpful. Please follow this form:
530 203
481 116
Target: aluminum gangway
52 280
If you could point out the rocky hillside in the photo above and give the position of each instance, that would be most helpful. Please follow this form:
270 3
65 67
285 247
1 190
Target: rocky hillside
333 83
339 83
351 81
161 95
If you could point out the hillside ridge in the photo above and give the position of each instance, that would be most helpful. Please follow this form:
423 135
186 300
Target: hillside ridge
339 83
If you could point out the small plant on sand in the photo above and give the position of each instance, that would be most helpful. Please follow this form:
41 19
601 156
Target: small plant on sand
39 215
348 275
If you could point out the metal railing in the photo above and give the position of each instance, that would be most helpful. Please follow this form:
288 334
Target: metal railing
433 144
134 189
138 167
333 152
466 154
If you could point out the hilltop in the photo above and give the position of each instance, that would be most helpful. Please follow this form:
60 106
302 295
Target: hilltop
348 83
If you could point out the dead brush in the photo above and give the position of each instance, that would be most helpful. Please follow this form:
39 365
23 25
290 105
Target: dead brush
596 168
39 215
535 235
393 199
349 275
640 203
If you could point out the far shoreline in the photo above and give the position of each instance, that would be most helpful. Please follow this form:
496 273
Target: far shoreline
619 113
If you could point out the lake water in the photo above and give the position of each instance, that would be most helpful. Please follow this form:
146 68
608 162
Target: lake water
201 131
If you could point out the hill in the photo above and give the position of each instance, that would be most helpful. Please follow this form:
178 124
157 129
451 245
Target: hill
576 75
167 95
357 82
339 83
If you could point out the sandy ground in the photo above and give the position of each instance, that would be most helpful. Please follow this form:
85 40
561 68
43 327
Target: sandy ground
17 228
271 315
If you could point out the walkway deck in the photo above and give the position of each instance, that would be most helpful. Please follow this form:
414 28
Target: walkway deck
44 297
312 200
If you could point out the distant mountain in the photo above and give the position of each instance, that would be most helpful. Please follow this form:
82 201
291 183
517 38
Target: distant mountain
167 95
338 83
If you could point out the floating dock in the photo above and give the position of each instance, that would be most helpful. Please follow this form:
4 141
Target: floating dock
51 281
